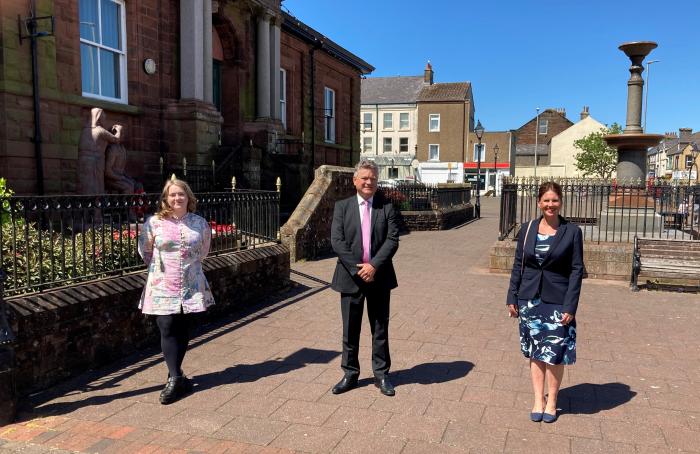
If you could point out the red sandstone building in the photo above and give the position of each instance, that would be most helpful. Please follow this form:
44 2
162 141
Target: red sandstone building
235 82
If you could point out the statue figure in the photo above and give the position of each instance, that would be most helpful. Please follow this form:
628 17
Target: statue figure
91 153
116 178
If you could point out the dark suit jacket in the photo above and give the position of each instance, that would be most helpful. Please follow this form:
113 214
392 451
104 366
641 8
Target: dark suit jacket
558 280
346 240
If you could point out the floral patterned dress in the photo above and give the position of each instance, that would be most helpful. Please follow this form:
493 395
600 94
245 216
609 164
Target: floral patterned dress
173 250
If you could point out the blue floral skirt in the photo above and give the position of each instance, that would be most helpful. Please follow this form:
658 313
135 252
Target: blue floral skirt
542 336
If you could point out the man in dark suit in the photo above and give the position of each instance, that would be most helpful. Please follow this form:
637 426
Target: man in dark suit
365 235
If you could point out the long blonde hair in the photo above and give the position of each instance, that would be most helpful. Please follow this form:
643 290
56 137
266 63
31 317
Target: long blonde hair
165 210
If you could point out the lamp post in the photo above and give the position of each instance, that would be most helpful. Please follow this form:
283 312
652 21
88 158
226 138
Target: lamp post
479 131
646 94
537 135
495 169
694 152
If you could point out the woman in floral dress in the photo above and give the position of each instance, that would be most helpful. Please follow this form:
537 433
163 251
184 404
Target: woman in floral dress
545 285
173 243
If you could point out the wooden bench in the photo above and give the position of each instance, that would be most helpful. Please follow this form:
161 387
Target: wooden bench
676 260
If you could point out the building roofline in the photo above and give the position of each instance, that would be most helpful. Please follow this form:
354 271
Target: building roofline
308 34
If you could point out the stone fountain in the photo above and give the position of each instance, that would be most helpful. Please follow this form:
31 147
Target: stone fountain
629 206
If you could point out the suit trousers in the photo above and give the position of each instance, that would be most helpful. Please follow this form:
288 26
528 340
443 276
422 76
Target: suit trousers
352 307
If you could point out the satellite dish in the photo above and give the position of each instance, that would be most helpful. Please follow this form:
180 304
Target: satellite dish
414 164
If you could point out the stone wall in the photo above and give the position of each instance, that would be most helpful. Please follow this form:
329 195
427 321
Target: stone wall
68 330
307 233
436 220
602 261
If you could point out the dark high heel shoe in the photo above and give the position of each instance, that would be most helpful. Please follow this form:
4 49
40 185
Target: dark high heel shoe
174 389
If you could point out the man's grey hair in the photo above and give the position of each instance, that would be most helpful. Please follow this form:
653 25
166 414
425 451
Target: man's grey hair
366 164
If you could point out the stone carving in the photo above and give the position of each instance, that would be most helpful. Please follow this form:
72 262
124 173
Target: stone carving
116 179
91 153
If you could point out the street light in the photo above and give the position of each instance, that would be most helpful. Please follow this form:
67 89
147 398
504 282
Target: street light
479 131
694 152
646 94
495 169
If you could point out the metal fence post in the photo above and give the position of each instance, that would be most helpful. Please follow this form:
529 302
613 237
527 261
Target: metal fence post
8 391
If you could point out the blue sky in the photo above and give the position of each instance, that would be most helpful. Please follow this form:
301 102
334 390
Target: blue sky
524 54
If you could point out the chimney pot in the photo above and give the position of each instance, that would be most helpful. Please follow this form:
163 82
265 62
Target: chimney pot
428 74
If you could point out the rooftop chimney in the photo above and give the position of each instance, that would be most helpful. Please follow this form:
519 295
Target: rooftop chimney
428 74
684 136
584 112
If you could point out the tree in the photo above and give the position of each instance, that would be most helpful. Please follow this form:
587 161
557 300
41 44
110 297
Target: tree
597 158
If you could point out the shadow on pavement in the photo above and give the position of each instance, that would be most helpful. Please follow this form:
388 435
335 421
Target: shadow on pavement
426 374
588 398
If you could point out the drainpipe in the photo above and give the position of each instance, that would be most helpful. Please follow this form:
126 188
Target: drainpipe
35 89
312 53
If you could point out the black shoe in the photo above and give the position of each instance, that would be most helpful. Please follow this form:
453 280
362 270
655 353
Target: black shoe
384 386
174 389
345 385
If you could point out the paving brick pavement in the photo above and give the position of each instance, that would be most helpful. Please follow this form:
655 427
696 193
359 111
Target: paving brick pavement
263 377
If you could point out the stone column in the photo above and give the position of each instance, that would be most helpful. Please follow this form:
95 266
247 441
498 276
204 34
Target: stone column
191 49
207 63
263 67
275 78
635 89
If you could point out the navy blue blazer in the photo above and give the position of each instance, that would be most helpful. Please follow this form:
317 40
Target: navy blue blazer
346 240
558 279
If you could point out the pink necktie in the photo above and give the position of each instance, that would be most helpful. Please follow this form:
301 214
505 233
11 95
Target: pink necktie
366 233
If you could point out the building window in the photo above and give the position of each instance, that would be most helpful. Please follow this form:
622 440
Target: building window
283 97
367 145
393 172
544 123
329 114
403 144
668 164
103 49
476 152
434 121
688 162
675 165
434 152
403 120
367 121
387 144
388 121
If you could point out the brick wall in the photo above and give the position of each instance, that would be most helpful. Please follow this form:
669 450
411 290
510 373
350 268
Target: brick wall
556 124
66 331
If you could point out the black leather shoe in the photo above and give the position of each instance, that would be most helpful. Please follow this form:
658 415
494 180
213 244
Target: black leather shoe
174 389
345 385
384 386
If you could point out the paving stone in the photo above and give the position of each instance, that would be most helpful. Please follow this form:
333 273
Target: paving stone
305 438
588 446
362 443
424 428
301 412
252 430
624 432
247 405
683 439
358 419
196 422
475 437
486 396
528 442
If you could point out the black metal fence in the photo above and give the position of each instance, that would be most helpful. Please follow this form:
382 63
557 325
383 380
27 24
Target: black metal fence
608 211
426 197
52 241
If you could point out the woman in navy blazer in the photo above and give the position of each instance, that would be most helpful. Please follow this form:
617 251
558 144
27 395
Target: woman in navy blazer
545 285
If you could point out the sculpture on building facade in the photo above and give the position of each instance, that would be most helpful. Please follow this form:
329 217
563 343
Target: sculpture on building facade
91 153
116 179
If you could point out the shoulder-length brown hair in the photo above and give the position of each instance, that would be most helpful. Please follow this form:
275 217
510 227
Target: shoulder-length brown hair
165 210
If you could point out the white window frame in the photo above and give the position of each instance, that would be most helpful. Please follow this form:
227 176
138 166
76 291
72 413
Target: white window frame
387 141
688 161
367 145
432 117
545 122
483 152
401 139
283 97
329 114
408 121
123 80
437 147
364 121
384 117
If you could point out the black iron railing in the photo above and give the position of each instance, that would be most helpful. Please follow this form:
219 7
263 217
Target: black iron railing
52 241
608 211
426 197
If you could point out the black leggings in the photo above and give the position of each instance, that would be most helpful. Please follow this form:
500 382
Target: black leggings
174 337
